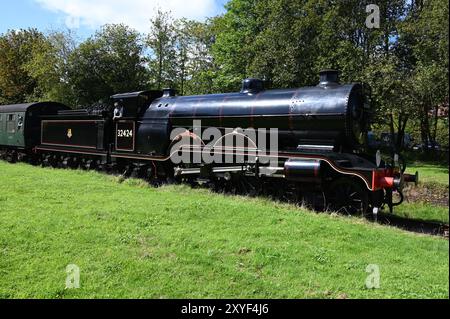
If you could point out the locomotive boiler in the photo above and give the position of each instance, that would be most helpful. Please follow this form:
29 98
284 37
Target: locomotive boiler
321 157
328 116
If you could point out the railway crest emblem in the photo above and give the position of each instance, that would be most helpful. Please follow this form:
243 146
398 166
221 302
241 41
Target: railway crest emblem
69 133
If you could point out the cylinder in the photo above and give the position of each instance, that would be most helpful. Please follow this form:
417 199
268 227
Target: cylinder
306 171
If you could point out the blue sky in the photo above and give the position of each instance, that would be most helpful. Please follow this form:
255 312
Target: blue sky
85 16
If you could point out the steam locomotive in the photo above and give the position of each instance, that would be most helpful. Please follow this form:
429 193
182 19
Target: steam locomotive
317 136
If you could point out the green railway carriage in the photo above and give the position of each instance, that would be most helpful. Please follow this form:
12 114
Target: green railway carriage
20 124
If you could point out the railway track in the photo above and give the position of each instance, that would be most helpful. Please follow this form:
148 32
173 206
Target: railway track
414 225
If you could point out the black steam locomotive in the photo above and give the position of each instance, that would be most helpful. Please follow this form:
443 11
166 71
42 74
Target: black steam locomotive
305 144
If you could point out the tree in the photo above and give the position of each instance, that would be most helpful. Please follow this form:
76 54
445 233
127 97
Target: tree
233 50
162 42
195 66
181 54
48 66
389 78
111 61
391 91
425 44
183 43
17 85
288 42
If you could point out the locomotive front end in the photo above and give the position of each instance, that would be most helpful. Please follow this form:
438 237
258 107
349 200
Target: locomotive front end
392 179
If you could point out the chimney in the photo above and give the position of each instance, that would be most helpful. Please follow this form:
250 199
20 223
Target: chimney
252 86
329 78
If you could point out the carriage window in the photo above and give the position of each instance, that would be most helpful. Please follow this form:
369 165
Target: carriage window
10 126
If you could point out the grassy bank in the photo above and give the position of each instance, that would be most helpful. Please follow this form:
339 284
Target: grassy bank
423 211
428 200
430 173
131 241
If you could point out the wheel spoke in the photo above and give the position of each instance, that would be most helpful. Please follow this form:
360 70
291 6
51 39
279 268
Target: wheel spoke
348 197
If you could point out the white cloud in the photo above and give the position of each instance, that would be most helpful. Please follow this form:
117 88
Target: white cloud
135 13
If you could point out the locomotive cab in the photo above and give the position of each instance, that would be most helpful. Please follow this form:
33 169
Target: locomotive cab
133 104
128 111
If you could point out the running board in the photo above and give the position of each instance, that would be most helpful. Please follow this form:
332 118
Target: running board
263 171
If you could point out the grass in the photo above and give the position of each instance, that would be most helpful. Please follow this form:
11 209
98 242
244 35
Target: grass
433 185
430 173
423 211
132 241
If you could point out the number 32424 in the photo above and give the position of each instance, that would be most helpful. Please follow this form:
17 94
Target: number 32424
124 133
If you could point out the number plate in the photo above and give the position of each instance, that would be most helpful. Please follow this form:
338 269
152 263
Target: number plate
125 136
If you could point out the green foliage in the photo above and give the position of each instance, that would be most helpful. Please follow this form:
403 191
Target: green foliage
195 64
288 42
112 61
50 69
181 54
424 48
285 42
233 49
17 48
161 41
132 241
